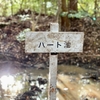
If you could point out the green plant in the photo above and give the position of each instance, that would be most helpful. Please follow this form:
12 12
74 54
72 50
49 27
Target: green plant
80 14
21 36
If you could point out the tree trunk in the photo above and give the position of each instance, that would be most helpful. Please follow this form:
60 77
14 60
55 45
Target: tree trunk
45 7
65 22
95 8
73 5
11 2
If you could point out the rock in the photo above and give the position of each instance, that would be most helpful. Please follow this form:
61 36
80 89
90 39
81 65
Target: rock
40 66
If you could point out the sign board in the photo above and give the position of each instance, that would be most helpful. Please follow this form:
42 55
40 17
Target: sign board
49 42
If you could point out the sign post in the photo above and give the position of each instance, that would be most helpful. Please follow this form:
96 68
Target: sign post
53 42
54 27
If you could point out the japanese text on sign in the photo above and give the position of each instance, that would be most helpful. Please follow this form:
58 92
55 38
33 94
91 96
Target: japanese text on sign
66 44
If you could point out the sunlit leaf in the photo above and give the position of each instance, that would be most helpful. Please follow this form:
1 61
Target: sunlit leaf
63 14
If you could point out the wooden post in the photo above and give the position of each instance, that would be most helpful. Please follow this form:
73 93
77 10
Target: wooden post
53 59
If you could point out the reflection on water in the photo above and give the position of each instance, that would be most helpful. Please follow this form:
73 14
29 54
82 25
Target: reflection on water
71 69
70 86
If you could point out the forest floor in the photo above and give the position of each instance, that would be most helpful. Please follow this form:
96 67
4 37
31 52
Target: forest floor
12 49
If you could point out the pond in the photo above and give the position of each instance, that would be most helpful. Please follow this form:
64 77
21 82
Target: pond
73 83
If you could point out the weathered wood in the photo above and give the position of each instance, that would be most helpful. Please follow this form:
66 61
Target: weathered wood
46 42
53 59
52 77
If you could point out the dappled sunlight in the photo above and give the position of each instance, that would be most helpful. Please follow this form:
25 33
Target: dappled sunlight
6 81
10 85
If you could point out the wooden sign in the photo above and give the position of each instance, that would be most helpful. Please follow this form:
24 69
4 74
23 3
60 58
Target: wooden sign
53 42
49 42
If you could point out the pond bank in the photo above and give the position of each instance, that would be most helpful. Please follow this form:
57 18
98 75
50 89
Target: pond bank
69 80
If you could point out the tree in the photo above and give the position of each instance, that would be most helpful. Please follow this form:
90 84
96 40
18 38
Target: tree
66 8
65 22
73 5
